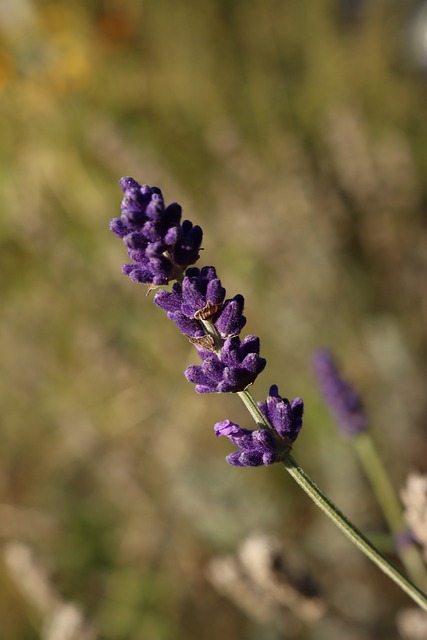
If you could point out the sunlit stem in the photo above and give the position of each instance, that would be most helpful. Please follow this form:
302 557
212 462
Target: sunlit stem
351 531
338 518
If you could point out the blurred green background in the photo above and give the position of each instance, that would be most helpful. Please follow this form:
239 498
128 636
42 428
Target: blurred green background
295 134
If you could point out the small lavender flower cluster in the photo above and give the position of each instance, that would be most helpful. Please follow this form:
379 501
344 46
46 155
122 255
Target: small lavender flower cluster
162 250
159 245
213 324
201 297
342 399
263 447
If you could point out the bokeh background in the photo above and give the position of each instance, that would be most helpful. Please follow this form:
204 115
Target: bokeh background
295 134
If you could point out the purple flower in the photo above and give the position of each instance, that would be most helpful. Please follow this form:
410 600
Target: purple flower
202 292
162 249
284 416
171 302
230 320
201 298
159 245
343 400
235 367
185 250
256 448
264 446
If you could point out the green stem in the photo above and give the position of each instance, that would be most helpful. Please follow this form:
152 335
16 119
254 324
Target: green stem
351 531
381 485
255 411
338 518
389 502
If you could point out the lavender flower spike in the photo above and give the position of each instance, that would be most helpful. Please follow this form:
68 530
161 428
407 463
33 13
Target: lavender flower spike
342 399
264 446
160 247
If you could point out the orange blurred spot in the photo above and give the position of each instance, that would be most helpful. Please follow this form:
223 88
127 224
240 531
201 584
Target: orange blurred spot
116 27
7 69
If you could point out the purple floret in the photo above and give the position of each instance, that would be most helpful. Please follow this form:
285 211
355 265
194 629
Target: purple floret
265 446
230 320
201 298
201 288
234 369
186 250
284 416
256 448
171 302
343 400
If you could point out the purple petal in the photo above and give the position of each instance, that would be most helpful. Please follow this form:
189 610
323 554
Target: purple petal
230 321
245 459
118 226
169 300
187 326
284 417
137 273
228 428
214 368
127 183
172 214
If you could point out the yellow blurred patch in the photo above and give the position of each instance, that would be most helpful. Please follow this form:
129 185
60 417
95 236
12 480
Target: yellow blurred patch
7 68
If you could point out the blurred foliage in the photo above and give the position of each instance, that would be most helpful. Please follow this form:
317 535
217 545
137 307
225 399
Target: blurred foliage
295 134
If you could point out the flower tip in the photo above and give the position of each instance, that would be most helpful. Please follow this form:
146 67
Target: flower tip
128 183
274 391
298 405
226 428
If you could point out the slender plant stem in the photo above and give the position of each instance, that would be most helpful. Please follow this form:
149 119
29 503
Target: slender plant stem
338 518
389 503
253 408
351 531
378 477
